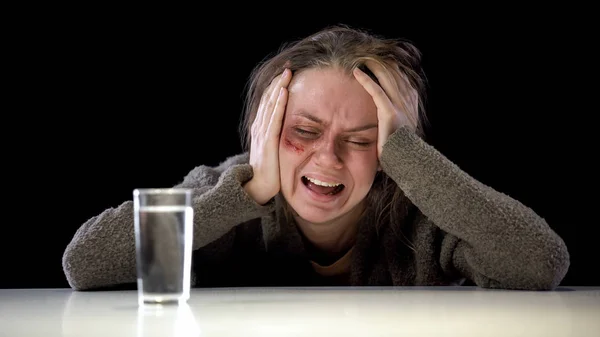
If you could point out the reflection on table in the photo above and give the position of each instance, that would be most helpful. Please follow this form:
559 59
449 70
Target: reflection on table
460 311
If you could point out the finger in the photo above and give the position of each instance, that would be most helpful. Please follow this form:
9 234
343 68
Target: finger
276 122
400 79
407 91
381 99
396 88
258 120
283 82
388 82
399 75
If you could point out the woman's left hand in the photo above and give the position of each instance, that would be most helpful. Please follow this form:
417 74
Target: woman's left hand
396 100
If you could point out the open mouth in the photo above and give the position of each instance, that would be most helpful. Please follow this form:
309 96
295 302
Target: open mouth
324 188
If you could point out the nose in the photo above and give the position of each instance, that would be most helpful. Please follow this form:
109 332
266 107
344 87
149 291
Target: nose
327 155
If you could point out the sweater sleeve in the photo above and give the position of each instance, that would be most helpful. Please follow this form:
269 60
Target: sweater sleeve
491 238
102 252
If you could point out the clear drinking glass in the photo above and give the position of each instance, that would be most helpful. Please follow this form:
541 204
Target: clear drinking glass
163 236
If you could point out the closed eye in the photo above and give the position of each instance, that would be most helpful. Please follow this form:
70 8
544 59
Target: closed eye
312 134
304 132
363 144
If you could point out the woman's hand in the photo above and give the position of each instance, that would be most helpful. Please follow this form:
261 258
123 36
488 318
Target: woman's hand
264 144
396 100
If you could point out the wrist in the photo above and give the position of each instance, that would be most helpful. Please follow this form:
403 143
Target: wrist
254 191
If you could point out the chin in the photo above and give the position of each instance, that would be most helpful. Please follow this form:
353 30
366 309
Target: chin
314 214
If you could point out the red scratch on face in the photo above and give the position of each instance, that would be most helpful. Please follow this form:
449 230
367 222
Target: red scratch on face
295 147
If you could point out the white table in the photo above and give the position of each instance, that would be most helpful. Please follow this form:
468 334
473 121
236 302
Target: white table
365 312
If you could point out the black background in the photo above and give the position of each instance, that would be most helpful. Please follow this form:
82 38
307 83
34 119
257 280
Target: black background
106 101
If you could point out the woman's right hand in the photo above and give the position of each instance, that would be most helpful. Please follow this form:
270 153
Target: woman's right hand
264 143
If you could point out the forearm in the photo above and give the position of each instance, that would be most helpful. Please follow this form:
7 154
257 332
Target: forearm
499 237
102 252
225 206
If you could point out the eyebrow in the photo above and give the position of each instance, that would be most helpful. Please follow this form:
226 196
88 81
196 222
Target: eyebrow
319 121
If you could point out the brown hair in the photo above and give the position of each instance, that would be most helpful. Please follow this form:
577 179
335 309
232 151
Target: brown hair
345 48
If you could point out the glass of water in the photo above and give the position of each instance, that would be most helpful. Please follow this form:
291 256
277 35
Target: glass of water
163 220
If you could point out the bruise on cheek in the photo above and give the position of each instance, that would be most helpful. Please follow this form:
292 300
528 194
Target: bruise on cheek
292 145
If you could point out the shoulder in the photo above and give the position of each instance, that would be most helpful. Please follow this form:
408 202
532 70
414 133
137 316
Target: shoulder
203 175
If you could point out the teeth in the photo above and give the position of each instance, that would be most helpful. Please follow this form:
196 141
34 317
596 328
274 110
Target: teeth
322 183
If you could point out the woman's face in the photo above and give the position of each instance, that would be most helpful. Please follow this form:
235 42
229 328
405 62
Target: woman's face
328 146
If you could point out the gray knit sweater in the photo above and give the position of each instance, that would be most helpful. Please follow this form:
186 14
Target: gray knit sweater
460 230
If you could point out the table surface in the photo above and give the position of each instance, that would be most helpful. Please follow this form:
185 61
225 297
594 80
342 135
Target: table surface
413 311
